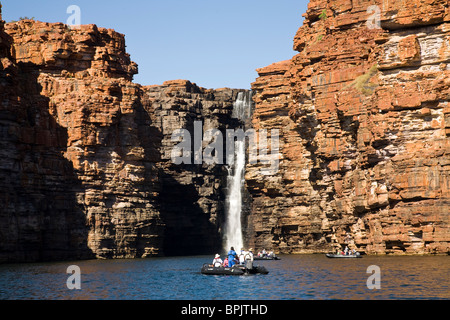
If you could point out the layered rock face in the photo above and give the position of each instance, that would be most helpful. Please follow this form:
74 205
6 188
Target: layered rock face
40 217
192 195
94 141
86 168
364 115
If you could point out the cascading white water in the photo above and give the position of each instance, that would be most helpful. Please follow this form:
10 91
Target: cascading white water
242 108
235 182
236 179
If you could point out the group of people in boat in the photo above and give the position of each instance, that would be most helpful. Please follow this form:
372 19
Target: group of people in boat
264 254
244 258
347 252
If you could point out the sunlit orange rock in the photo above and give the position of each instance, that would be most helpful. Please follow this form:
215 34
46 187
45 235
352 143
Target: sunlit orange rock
367 132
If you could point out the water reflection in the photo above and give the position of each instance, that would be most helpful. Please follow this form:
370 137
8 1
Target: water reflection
294 277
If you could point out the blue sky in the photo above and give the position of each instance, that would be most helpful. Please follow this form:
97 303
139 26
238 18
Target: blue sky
212 43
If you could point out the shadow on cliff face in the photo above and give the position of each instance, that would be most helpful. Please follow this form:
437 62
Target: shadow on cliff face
191 208
189 227
40 219
307 130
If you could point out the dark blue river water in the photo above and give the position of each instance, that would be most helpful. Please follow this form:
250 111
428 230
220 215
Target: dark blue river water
301 277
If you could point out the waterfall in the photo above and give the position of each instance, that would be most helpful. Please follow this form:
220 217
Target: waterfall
235 181
236 178
242 109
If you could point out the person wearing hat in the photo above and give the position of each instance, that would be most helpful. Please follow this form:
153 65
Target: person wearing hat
249 255
217 262
242 256
249 259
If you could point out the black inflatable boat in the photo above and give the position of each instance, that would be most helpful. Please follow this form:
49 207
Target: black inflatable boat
233 271
343 256
267 258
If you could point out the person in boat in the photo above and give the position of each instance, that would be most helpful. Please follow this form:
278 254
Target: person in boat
225 262
231 257
249 259
346 251
250 254
242 256
263 253
217 262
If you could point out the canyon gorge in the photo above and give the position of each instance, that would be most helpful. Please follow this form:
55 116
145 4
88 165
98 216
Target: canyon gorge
363 114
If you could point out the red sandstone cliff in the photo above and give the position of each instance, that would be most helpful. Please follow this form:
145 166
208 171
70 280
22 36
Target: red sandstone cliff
81 154
39 215
84 168
365 121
